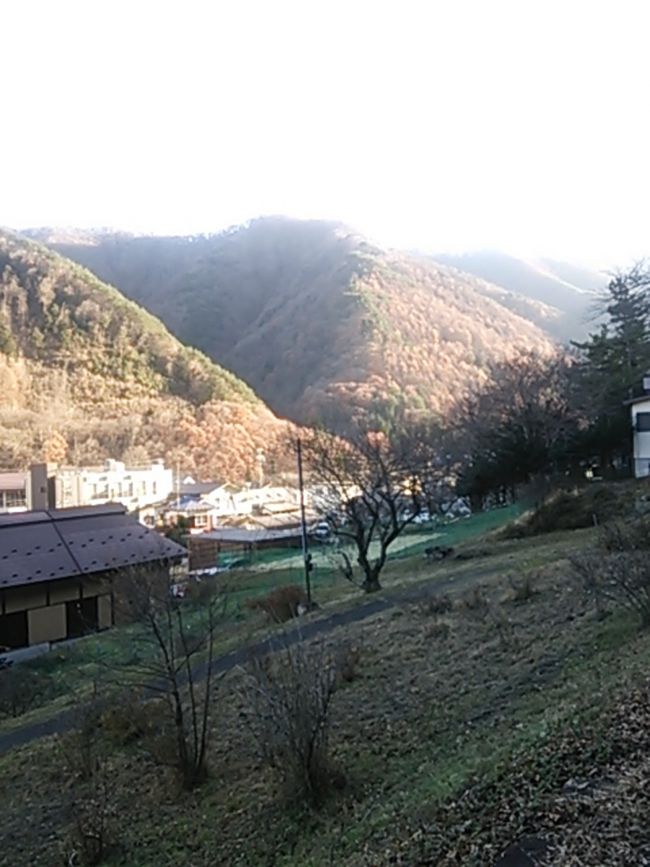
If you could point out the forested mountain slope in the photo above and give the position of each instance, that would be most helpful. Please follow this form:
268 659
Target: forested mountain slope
87 374
568 290
320 322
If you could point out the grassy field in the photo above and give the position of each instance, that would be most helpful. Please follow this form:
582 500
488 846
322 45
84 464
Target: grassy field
460 732
73 668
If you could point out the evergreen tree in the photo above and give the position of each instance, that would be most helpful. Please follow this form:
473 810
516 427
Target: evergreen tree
613 362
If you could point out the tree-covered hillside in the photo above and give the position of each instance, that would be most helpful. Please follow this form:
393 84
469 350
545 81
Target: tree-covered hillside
88 374
320 322
567 292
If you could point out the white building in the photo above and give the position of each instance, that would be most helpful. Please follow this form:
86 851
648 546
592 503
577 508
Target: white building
641 434
134 487
14 495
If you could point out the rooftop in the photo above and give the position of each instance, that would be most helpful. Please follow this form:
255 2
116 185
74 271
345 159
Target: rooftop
67 543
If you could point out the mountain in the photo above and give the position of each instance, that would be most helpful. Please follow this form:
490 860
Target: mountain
568 292
320 322
88 374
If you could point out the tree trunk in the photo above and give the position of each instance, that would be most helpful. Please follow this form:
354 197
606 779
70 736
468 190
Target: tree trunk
371 582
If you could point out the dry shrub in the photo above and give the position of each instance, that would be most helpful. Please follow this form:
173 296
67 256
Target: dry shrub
95 816
435 605
20 690
347 660
627 575
131 719
475 602
619 569
587 568
82 748
568 510
522 590
282 603
93 802
437 631
287 700
480 609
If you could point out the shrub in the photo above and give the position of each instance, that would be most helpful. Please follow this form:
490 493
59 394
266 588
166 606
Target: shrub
434 605
627 575
480 609
129 719
94 819
438 631
82 748
347 660
619 569
523 589
282 603
287 702
21 689
568 510
587 568
475 601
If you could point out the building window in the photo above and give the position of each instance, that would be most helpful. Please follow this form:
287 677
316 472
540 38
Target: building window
643 422
154 487
200 520
15 499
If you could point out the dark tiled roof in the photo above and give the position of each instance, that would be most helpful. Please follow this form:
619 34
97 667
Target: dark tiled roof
196 489
65 543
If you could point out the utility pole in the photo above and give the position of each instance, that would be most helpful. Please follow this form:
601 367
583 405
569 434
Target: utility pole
305 543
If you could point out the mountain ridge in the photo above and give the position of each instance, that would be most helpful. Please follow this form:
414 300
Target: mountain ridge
320 322
87 374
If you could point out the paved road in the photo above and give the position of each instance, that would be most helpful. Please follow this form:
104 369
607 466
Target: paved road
64 721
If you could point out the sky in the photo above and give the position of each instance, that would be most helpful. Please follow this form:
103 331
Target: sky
445 125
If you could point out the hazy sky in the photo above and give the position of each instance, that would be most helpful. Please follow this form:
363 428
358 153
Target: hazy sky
445 124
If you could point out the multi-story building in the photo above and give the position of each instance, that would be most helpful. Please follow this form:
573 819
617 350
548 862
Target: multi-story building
14 492
54 487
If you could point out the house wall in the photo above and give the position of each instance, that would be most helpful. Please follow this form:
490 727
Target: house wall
641 441
44 608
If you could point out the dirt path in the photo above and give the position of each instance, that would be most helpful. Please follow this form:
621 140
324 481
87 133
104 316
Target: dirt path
64 721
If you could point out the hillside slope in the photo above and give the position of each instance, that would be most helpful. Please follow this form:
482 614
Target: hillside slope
317 320
88 374
567 289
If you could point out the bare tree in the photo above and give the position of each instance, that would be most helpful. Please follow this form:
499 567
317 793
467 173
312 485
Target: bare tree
373 488
178 637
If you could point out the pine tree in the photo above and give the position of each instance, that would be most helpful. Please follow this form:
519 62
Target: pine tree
613 362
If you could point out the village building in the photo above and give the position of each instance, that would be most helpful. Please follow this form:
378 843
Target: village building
60 569
136 488
14 492
640 409
206 549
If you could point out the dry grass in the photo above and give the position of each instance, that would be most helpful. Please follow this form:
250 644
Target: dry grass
425 717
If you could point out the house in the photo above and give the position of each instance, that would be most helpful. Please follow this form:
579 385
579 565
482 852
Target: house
59 569
206 548
197 515
14 492
640 409
136 488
